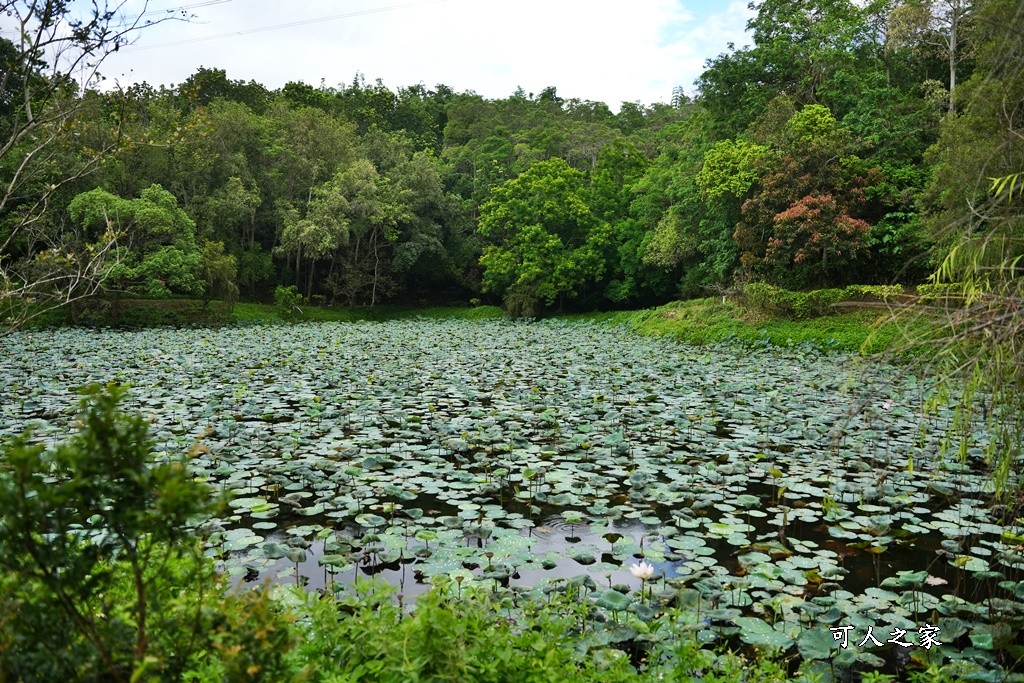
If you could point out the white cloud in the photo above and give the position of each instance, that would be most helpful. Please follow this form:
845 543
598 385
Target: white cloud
590 49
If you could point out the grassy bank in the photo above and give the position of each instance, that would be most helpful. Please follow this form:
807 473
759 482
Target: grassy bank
707 321
853 327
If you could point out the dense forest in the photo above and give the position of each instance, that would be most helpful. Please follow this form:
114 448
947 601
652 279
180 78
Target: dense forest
837 149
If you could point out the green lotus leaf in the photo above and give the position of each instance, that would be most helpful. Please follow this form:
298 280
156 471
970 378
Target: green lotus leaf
370 520
761 634
816 643
583 557
614 601
275 551
572 516
333 561
905 579
296 555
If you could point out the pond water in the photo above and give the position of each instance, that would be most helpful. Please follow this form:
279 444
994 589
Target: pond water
799 489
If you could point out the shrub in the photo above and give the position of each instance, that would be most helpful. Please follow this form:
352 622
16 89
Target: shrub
779 301
873 292
286 302
942 292
99 570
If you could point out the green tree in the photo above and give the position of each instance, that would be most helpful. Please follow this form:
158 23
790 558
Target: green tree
319 233
206 85
352 220
799 48
940 24
976 215
543 240
433 249
220 273
619 166
731 167
160 255
689 235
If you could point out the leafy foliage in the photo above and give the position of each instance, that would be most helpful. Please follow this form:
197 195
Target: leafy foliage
162 257
798 224
77 522
545 241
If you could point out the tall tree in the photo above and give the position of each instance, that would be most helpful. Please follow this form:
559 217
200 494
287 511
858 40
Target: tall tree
976 208
57 41
374 208
804 221
799 49
937 23
543 240
156 249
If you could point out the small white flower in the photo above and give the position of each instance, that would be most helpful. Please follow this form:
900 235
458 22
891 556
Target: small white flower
642 571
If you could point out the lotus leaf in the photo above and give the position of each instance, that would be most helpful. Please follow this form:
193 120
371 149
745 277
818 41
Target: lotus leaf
614 601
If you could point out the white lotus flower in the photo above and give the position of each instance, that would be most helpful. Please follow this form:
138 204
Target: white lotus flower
642 571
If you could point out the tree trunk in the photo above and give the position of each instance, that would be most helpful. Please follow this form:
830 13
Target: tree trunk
376 265
954 27
332 287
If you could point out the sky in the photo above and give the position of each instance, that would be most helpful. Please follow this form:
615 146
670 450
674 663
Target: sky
600 50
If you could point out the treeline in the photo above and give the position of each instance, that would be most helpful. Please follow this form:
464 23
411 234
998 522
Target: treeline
826 154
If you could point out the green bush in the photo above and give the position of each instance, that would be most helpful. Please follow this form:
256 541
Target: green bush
286 302
818 302
101 578
779 301
942 292
873 292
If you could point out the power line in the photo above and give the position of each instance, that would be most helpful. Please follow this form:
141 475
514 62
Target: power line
175 10
127 20
287 25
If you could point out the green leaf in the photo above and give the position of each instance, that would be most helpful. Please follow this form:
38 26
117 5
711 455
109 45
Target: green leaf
815 643
761 634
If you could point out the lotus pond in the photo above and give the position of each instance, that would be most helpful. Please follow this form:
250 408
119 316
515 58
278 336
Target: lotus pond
777 493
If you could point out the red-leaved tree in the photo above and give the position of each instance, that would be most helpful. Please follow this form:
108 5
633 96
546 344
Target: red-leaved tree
817 235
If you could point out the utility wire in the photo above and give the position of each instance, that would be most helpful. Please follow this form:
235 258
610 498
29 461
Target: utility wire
127 20
280 26
175 10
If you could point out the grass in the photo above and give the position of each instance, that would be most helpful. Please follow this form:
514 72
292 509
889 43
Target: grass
708 321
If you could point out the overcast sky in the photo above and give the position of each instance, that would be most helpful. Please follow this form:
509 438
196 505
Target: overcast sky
604 50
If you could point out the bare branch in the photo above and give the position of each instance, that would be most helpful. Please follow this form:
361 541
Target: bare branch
57 55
